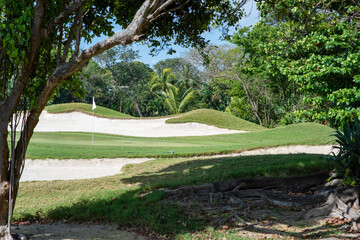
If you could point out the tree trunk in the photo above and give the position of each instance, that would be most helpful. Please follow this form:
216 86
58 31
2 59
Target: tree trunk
250 96
4 179
138 109
253 103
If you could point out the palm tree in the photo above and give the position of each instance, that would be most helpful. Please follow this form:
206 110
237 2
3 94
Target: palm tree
188 78
162 82
179 99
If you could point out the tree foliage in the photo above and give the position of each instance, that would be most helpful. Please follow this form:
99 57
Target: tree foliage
177 96
347 158
318 49
182 70
97 81
179 99
163 81
130 79
226 63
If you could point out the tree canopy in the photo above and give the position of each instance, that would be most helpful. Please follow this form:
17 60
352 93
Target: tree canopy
318 49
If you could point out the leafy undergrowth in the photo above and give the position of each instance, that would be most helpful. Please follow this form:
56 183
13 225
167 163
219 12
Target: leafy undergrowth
135 199
217 119
86 108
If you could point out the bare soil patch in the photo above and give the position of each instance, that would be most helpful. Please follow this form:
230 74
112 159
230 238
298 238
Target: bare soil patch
73 231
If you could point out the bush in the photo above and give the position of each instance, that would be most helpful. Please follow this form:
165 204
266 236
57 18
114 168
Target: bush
347 160
291 118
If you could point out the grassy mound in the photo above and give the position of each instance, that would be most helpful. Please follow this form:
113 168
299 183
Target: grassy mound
217 119
85 108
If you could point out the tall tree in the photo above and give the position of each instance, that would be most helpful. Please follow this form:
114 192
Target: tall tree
179 99
182 69
130 77
97 81
318 48
226 62
163 81
131 81
32 30
279 92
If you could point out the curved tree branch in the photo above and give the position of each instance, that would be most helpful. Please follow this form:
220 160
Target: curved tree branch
74 6
78 33
157 15
77 20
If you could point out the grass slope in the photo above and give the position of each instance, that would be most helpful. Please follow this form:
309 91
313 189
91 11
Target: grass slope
63 145
217 119
134 198
85 108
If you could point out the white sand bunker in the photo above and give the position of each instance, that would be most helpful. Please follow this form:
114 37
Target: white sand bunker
80 122
53 169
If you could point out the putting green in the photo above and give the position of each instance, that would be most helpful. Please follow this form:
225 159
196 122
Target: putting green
65 145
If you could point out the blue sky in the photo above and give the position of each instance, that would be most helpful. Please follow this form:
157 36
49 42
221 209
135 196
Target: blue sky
214 37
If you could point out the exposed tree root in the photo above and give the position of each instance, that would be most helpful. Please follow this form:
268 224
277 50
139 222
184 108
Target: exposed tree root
342 203
307 194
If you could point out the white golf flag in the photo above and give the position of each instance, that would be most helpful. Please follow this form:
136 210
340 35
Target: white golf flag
94 105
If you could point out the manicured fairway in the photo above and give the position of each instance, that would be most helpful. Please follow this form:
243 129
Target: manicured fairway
80 146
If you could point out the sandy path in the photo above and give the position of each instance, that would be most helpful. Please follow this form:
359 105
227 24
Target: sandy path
80 122
73 231
53 169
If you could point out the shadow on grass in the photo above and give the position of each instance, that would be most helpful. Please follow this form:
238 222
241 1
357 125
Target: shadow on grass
181 172
142 205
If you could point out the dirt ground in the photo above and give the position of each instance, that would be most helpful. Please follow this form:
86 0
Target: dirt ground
74 231
324 229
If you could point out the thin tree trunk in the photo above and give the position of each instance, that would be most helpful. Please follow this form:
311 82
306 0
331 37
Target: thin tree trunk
253 103
138 109
4 178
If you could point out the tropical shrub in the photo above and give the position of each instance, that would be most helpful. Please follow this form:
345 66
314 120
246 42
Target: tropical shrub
347 159
180 99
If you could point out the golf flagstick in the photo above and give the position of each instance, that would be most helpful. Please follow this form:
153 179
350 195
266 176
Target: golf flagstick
93 108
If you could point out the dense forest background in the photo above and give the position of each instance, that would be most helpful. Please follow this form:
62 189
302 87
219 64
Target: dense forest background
298 66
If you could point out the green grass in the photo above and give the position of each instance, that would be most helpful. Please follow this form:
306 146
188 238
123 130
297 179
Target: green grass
86 108
134 198
64 145
217 119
